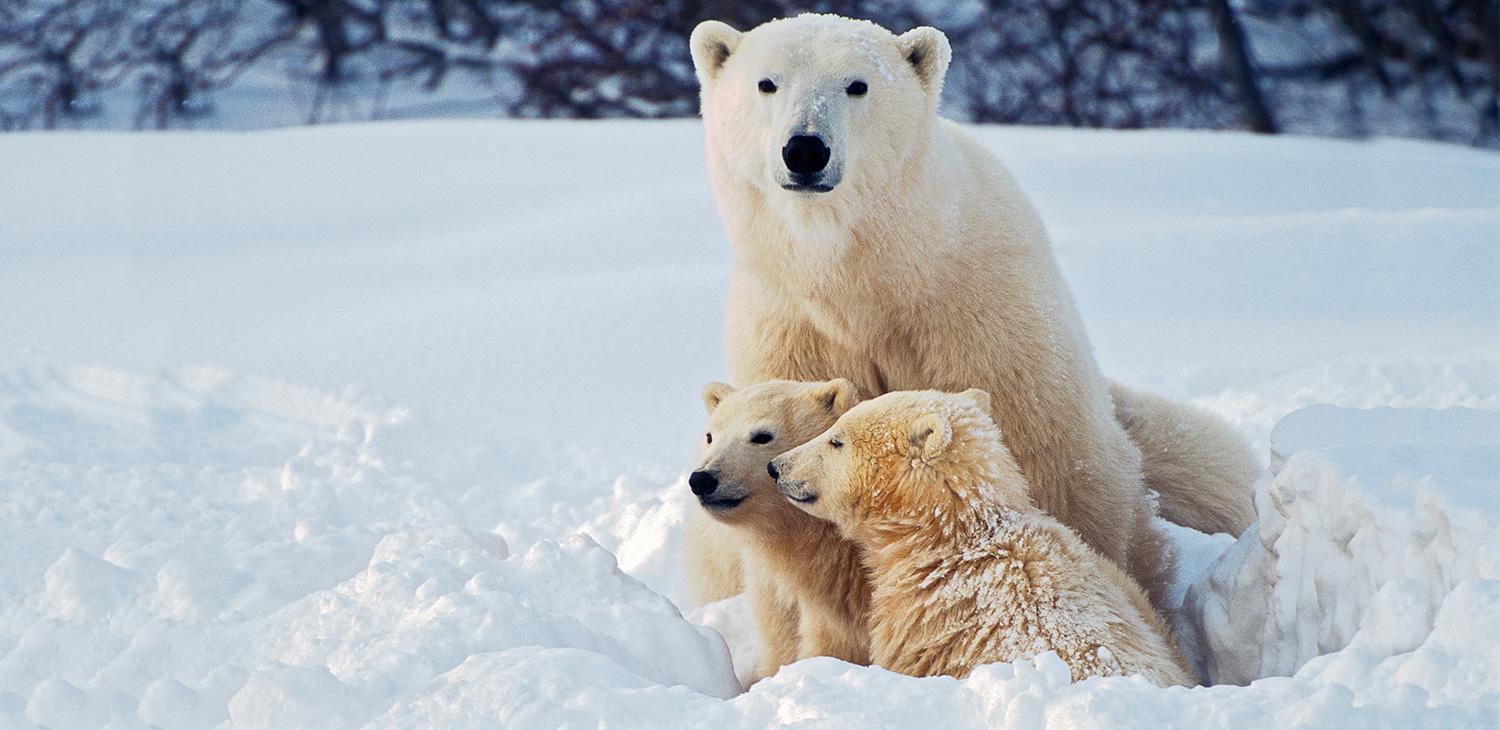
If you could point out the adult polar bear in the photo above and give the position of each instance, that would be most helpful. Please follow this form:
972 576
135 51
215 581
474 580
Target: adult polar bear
878 242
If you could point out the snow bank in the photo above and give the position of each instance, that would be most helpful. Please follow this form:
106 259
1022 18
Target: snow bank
432 611
236 548
448 600
1377 538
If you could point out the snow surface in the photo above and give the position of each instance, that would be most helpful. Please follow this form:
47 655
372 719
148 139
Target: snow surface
1377 536
385 424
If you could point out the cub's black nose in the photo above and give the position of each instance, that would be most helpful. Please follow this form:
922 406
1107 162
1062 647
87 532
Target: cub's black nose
703 482
771 469
805 154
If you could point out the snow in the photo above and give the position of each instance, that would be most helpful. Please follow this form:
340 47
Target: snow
386 425
1404 453
1371 523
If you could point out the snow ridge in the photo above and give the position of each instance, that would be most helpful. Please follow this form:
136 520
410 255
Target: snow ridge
1382 567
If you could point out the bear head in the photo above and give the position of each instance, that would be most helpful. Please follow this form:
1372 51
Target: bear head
805 107
746 429
904 461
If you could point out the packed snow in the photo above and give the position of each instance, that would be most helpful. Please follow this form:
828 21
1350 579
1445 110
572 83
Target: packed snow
1376 532
385 425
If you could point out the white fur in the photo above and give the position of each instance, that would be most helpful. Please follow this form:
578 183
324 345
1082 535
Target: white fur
924 268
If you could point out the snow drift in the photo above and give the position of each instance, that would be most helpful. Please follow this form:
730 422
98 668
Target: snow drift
1376 537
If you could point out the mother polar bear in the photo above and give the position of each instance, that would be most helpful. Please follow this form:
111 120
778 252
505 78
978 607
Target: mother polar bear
878 242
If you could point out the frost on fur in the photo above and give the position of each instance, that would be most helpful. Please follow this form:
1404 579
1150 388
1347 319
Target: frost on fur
965 569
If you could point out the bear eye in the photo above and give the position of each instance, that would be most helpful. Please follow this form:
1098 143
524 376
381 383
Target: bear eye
760 437
857 88
835 443
708 438
767 86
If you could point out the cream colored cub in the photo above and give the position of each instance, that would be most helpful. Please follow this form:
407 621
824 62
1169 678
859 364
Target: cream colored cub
965 569
805 582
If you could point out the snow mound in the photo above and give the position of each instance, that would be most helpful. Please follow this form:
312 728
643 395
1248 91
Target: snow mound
439 609
194 546
1375 555
435 612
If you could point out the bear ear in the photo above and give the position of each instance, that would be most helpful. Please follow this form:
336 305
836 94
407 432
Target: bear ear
930 434
980 397
928 52
711 44
836 396
713 393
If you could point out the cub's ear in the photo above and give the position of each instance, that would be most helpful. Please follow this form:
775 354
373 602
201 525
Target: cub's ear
980 397
713 393
931 434
928 52
711 44
836 396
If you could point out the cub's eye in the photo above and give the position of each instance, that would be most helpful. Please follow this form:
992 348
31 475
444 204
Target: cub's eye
760 437
767 86
857 88
708 438
835 443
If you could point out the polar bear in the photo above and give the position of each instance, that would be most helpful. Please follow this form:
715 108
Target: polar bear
1198 465
878 242
802 607
965 569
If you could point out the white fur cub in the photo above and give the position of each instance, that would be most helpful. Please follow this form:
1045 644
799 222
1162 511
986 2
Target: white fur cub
966 570
804 580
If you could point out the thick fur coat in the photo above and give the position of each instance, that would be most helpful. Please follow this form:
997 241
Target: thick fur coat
805 582
922 265
965 569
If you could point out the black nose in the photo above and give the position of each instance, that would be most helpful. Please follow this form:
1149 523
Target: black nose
703 482
771 469
805 154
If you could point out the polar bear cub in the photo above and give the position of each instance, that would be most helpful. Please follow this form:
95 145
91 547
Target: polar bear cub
805 582
966 570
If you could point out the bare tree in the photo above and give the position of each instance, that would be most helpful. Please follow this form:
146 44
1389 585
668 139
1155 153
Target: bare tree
55 57
1423 67
1239 64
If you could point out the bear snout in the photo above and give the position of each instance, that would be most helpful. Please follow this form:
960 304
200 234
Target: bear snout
796 491
703 482
806 154
793 489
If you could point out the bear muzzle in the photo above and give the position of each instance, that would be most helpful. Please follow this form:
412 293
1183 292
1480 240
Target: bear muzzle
807 157
796 491
703 483
715 495
793 489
